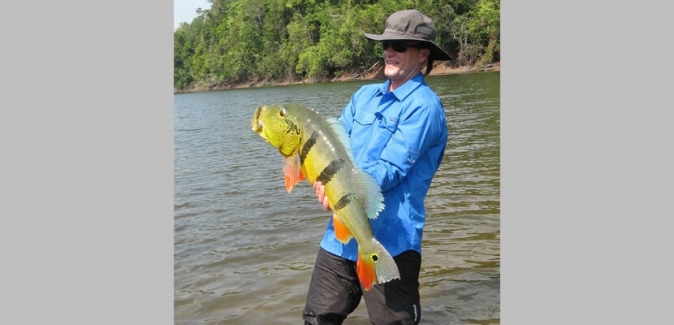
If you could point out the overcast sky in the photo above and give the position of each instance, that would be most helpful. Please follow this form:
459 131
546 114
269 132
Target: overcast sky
186 10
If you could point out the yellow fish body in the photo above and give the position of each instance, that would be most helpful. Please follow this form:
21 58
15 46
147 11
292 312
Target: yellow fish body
317 148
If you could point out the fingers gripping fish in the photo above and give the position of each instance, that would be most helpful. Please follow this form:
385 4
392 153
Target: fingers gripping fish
317 149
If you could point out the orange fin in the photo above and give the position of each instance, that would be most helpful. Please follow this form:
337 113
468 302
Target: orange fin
342 233
292 172
366 273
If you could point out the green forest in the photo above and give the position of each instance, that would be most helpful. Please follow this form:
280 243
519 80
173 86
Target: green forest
239 41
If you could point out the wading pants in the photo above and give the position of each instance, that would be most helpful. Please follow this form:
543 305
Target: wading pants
335 292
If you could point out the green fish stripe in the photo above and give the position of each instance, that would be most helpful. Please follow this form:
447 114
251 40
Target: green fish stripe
344 201
330 170
307 146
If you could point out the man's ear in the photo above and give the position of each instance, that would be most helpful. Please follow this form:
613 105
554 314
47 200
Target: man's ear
425 54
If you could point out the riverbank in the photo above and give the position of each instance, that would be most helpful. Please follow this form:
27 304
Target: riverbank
375 72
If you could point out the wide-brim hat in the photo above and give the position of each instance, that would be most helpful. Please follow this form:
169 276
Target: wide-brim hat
411 25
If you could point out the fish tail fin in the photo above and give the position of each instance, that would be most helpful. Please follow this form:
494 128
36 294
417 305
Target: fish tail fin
367 275
377 266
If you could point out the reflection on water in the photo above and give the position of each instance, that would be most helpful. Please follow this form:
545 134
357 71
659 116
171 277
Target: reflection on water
244 247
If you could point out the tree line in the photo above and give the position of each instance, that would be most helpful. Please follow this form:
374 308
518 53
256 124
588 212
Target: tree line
238 41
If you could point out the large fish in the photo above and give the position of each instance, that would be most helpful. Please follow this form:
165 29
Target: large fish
317 149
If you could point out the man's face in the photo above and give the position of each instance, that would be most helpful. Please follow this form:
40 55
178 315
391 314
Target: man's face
403 64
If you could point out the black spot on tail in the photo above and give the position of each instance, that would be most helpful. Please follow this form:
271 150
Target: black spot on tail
330 170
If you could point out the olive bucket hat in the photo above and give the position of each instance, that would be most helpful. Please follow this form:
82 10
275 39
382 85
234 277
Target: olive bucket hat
411 25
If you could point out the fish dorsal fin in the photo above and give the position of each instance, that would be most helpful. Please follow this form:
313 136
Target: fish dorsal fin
367 188
341 135
369 192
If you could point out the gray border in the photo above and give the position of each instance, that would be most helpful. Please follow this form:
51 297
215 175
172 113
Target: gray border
587 163
86 175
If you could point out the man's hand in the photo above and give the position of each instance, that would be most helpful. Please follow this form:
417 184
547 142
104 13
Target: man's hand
320 193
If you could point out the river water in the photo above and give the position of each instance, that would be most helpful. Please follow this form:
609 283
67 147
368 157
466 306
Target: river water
244 248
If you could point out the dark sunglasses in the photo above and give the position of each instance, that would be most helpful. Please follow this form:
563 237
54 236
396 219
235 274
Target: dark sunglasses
398 46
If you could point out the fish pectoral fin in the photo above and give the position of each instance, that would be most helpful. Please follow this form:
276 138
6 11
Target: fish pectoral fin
342 233
292 172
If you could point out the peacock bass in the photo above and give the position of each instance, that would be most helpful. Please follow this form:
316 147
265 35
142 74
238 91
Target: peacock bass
317 149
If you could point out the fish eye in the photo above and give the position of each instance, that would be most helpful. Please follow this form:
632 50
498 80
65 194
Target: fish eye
282 112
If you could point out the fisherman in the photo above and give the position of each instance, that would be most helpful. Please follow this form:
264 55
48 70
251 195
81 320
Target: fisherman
398 133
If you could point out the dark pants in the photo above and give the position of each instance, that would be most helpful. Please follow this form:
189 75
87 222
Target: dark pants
335 292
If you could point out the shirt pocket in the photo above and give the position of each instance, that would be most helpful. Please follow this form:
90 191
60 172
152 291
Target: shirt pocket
375 131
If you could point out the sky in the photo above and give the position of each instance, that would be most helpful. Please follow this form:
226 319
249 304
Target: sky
186 10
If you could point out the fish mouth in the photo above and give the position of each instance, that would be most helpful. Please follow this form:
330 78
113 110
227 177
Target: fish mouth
256 123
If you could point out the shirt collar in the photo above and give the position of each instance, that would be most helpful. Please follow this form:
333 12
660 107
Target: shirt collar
406 88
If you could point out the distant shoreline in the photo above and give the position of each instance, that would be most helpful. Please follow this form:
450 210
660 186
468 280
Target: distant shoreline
440 69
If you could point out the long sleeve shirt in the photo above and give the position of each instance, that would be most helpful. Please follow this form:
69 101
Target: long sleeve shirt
398 137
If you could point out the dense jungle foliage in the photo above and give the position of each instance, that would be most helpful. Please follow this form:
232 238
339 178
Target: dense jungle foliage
238 41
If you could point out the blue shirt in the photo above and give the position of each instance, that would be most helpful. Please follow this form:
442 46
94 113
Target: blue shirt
398 137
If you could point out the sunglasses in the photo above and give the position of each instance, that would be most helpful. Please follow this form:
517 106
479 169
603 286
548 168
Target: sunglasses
399 47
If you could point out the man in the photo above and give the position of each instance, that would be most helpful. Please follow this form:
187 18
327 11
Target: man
398 135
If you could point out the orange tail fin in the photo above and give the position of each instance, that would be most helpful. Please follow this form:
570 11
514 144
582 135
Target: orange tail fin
375 266
366 273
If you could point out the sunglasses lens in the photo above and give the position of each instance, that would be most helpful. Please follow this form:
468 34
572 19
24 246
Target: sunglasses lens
398 47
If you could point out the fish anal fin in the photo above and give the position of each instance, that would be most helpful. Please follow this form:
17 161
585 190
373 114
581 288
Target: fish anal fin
342 233
366 273
292 172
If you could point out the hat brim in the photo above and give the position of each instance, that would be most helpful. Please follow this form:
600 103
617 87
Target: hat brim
437 53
